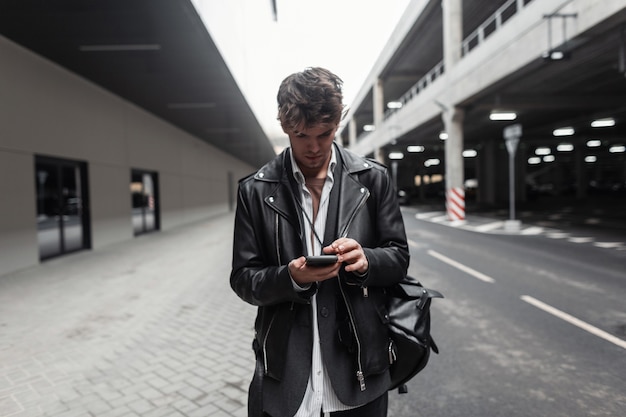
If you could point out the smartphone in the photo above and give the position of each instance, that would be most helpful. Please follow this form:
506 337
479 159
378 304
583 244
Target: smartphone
321 260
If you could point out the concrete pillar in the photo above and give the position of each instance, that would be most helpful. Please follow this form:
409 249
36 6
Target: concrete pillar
394 173
521 168
581 173
453 117
378 104
452 32
352 132
487 177
380 156
455 194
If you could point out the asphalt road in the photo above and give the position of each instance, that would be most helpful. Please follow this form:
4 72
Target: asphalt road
530 326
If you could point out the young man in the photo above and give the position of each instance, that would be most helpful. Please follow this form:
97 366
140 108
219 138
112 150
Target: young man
321 337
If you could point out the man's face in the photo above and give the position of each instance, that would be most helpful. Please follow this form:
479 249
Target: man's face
311 148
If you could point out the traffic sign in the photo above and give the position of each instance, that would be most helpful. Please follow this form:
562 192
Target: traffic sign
512 135
512 132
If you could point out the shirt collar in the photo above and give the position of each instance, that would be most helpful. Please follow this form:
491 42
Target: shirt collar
299 176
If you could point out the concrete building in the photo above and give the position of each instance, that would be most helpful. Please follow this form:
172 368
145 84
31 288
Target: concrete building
466 70
117 118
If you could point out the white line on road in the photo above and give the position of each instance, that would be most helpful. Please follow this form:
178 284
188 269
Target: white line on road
608 245
557 235
573 320
580 239
535 230
428 215
439 219
462 267
489 226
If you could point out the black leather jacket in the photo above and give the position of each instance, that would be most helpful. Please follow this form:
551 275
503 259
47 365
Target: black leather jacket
351 310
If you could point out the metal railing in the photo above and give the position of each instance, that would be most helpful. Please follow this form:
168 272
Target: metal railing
419 86
492 24
487 28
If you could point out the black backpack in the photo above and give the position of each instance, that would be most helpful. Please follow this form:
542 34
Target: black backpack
409 330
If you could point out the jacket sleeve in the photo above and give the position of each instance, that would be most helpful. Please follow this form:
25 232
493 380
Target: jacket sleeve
256 276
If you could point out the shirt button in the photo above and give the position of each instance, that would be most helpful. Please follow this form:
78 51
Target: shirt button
324 312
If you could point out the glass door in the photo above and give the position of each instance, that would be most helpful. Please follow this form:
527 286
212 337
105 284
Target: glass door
62 215
145 202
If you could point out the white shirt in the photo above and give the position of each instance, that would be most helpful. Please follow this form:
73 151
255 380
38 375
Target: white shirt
319 393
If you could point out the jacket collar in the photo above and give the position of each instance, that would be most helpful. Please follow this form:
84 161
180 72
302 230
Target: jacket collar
279 167
281 196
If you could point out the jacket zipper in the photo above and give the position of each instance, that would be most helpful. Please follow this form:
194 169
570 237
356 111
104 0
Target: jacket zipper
276 238
356 210
269 328
359 373
345 232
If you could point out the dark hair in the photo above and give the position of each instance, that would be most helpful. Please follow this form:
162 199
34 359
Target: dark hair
310 97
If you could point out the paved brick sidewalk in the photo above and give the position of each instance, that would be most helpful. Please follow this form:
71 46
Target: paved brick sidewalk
146 328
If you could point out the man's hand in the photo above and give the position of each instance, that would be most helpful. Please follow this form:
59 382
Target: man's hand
303 274
349 252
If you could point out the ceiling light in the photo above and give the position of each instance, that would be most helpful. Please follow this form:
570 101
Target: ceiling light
502 115
369 128
549 158
120 48
617 149
591 158
555 55
415 148
394 105
443 136
222 130
543 151
431 162
594 143
565 147
563 131
396 155
608 122
469 153
191 106
534 160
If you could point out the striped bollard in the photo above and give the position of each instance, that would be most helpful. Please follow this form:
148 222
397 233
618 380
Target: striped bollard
455 204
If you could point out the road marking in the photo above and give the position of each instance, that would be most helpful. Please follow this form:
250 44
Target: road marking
557 235
458 223
462 267
580 239
412 243
573 320
439 219
534 230
608 245
428 215
489 226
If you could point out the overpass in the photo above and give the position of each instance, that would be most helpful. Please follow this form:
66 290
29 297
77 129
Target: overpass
464 70
120 118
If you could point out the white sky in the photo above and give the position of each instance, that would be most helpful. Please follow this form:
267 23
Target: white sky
345 36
